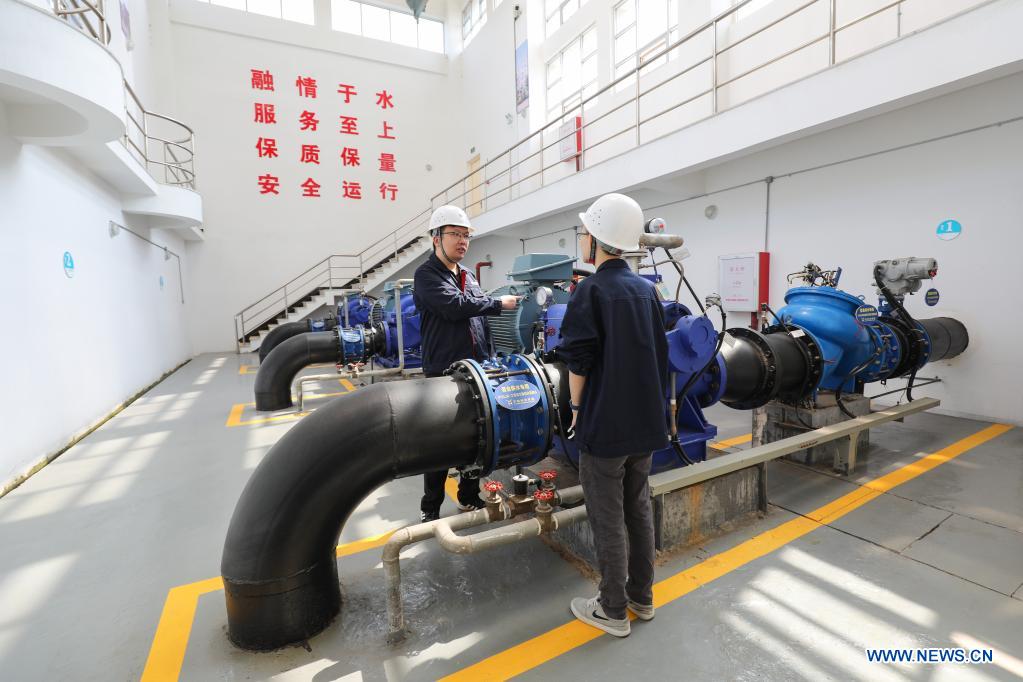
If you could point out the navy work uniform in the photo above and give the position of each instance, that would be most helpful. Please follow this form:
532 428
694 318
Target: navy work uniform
613 334
452 309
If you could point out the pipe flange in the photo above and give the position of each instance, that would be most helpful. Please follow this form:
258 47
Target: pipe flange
914 342
472 373
768 387
812 354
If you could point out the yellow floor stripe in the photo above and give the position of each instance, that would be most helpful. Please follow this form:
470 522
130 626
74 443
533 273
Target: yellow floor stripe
729 442
167 653
562 639
234 417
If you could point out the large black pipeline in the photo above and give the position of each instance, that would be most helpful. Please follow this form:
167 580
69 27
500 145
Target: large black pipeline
278 370
948 337
282 333
763 366
279 563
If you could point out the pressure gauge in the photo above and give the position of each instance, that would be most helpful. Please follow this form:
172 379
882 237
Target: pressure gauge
655 226
543 296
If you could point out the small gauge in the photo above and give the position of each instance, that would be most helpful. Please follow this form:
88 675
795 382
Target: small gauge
655 226
543 296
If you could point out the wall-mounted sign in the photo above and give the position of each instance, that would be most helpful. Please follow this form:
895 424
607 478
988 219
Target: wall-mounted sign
931 297
866 314
949 230
69 264
522 77
737 282
126 25
161 282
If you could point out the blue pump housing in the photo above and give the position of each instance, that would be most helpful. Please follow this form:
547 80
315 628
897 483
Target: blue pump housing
358 306
691 343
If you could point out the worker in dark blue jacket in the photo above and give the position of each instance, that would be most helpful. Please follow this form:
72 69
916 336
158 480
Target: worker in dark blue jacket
614 345
452 311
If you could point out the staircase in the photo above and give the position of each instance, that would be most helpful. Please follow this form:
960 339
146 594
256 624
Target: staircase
327 281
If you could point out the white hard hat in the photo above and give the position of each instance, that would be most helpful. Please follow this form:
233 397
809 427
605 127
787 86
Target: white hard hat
448 215
615 220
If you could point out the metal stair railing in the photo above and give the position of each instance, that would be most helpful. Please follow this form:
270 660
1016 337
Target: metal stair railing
336 271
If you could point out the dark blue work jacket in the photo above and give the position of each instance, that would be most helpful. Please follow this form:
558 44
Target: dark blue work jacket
613 334
450 309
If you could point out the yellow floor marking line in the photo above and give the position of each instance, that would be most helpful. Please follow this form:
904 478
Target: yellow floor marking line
252 369
234 417
167 653
562 639
729 442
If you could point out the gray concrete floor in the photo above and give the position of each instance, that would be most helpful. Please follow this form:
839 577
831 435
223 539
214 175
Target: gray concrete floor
94 542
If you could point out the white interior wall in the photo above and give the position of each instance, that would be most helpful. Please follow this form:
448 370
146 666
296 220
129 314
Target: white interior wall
255 243
84 344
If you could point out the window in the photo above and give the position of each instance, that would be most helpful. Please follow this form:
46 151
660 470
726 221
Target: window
557 12
474 15
393 26
572 74
291 10
642 29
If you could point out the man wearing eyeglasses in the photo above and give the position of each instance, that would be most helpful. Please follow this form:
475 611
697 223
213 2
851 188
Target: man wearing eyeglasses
452 311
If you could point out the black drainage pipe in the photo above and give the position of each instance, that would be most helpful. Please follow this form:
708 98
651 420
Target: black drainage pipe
279 564
282 333
278 370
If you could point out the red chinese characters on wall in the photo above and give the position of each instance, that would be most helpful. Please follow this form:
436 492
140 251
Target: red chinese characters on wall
349 106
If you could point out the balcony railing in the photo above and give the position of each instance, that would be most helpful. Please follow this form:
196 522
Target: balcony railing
163 146
86 16
727 60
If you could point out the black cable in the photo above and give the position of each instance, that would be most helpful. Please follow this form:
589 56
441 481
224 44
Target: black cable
894 303
682 277
680 452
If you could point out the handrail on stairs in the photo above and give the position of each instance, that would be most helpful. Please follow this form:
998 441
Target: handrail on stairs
342 269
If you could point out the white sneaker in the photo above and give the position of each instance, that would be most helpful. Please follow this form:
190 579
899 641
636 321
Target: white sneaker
642 611
592 613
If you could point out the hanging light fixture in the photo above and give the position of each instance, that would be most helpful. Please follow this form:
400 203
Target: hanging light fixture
417 7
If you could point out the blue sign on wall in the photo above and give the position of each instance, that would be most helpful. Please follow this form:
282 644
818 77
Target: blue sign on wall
69 264
931 297
161 282
517 394
866 314
949 229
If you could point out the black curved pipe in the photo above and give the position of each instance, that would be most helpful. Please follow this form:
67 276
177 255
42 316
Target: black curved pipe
279 565
275 374
279 335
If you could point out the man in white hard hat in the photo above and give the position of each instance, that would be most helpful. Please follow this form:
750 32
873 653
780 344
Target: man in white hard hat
614 345
452 311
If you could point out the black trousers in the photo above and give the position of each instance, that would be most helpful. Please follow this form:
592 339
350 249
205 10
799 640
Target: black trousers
433 490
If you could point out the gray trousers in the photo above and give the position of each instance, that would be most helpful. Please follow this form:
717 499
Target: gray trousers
617 494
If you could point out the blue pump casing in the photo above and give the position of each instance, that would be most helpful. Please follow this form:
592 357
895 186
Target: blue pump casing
691 343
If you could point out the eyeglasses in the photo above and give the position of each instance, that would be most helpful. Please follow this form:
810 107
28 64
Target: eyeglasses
461 236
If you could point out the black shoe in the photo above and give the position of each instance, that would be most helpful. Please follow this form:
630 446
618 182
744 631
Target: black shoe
472 505
425 516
